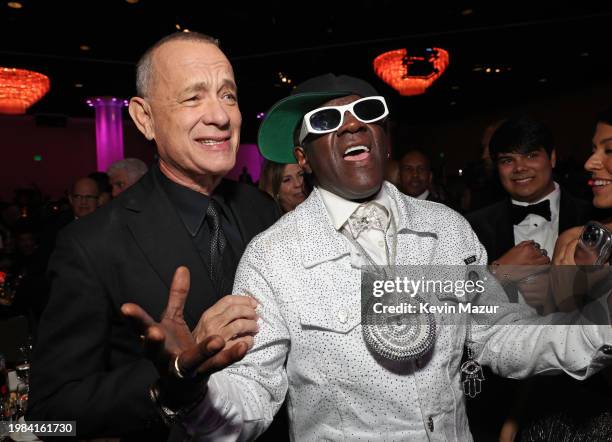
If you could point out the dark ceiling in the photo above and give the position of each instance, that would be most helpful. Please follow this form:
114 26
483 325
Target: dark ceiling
540 48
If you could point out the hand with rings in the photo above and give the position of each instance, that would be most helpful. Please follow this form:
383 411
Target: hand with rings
184 363
525 253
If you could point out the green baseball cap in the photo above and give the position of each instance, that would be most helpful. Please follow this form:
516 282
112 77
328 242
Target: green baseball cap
275 137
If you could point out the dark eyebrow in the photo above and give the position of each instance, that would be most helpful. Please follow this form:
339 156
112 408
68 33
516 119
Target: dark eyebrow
605 140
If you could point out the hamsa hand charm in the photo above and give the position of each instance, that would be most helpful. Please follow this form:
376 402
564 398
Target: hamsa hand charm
472 377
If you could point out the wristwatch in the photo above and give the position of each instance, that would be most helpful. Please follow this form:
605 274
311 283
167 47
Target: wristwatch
168 415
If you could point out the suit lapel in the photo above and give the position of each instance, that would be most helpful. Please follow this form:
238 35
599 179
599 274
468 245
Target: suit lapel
164 241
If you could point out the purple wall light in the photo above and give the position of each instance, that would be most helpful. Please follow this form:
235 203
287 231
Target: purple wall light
109 130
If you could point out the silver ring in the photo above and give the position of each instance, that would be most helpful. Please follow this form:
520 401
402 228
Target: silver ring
177 369
543 252
537 245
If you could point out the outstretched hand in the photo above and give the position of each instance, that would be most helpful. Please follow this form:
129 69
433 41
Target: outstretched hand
171 338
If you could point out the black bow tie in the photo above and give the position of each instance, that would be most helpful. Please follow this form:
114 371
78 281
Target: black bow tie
519 213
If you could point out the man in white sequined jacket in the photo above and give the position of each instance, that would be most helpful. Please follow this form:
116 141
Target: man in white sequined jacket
305 271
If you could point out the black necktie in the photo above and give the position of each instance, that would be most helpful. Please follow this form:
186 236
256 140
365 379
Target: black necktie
519 213
217 243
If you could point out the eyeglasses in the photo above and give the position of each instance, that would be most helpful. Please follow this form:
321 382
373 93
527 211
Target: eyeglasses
87 198
328 119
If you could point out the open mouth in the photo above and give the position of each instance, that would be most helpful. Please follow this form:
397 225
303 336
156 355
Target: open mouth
356 153
599 183
523 180
214 143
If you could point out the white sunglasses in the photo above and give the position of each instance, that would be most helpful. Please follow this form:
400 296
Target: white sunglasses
328 119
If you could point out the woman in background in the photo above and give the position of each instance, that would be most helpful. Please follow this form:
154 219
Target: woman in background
285 183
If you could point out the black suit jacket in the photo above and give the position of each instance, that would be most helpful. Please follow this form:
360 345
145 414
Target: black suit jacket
88 364
493 224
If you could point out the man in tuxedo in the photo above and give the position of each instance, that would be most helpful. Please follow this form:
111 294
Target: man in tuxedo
523 228
520 230
90 364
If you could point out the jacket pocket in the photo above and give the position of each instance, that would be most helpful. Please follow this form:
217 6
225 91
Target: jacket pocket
328 316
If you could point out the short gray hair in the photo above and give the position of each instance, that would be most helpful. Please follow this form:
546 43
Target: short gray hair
134 167
144 67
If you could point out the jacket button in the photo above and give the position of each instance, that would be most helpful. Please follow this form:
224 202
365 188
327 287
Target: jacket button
430 424
607 350
342 316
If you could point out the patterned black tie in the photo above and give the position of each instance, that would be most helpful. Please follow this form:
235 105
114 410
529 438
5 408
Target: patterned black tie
217 243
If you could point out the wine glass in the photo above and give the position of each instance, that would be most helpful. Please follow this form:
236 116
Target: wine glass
23 373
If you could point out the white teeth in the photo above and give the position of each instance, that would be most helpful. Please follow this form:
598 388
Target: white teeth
356 149
209 141
601 182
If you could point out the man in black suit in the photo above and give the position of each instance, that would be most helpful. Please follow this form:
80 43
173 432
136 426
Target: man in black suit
90 365
520 230
536 209
416 176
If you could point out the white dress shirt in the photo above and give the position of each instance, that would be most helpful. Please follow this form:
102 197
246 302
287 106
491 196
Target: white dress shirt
311 348
539 229
424 195
373 241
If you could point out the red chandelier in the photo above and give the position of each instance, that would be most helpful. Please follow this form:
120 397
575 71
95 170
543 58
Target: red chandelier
20 89
411 74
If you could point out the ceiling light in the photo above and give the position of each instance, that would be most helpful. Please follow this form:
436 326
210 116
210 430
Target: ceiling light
488 70
84 48
15 5
177 26
467 12
79 85
186 30
20 89
411 74
132 2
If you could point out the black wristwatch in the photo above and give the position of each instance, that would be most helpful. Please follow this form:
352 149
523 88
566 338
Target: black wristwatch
168 415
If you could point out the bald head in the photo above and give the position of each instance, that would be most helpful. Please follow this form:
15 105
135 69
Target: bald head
145 68
84 197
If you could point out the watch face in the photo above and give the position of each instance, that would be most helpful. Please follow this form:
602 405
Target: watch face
594 246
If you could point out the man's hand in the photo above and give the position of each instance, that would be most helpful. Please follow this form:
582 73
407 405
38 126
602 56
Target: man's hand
232 317
525 253
171 345
521 262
